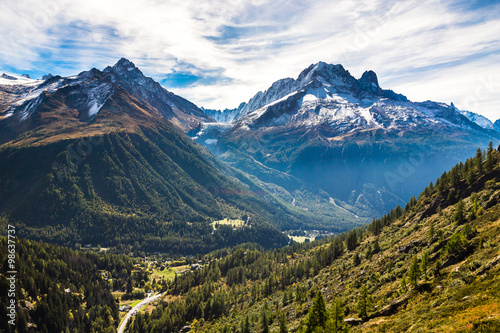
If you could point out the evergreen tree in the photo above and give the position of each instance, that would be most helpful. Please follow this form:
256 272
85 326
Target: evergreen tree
364 302
317 315
356 260
264 321
437 268
459 215
368 253
403 287
376 246
336 322
245 325
489 157
431 234
478 160
282 322
414 271
352 240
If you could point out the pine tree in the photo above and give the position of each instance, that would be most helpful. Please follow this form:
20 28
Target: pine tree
282 322
336 322
489 157
352 240
459 215
264 321
368 252
430 237
479 161
470 177
414 272
403 287
437 268
317 315
356 260
364 302
376 246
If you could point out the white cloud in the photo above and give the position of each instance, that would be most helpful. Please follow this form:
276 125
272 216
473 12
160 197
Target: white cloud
426 49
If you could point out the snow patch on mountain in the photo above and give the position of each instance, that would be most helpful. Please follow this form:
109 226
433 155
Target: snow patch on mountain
478 119
9 79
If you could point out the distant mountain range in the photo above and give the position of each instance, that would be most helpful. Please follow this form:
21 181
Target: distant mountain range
478 119
369 147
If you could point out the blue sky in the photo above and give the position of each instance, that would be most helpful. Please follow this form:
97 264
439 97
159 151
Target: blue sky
220 53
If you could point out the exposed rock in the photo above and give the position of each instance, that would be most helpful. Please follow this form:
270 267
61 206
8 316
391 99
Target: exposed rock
353 321
409 247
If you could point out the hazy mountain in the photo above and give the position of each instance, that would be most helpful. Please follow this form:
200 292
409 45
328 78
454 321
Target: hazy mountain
226 115
478 119
369 147
496 125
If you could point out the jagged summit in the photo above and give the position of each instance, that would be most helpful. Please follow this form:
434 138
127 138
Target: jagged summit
478 119
322 80
124 63
8 77
370 76
25 104
123 66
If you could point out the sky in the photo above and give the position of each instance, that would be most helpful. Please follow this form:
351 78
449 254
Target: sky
220 53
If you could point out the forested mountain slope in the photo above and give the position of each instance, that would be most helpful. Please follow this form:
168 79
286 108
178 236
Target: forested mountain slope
430 266
61 290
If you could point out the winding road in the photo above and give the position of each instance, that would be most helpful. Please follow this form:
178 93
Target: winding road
135 309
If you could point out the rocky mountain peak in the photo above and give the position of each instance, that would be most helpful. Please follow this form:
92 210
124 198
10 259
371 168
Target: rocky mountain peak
124 63
8 77
326 73
370 77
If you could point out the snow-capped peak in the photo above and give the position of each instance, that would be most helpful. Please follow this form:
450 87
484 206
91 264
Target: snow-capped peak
12 79
320 77
478 119
124 64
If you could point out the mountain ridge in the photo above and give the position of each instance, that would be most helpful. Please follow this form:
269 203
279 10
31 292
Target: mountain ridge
24 104
340 134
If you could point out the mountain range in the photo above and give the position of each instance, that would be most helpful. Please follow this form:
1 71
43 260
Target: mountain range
25 104
368 147
104 157
101 158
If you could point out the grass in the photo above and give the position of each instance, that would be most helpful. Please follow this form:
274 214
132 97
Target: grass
300 239
236 223
167 273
